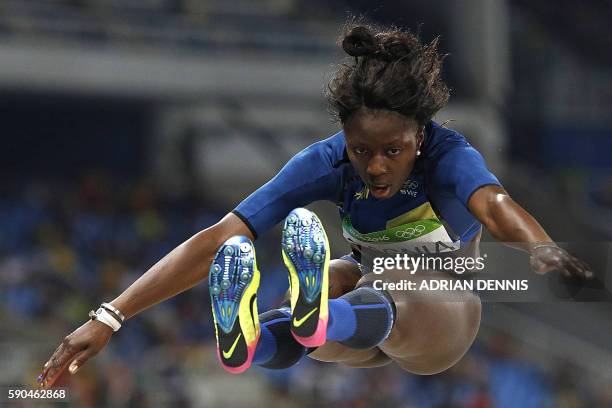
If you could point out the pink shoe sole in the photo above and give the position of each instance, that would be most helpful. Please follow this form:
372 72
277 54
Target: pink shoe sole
317 339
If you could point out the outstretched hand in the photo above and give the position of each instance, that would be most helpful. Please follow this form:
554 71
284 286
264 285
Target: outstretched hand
547 258
78 347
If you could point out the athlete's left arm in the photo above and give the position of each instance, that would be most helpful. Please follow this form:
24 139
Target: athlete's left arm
510 223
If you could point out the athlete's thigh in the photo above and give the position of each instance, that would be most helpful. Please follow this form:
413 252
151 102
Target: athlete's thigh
335 352
432 329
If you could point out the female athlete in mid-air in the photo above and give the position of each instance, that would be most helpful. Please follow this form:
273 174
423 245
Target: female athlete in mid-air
402 182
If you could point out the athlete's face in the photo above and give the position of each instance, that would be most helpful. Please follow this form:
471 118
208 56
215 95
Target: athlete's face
382 147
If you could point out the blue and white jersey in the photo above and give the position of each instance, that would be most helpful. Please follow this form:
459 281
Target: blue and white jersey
429 214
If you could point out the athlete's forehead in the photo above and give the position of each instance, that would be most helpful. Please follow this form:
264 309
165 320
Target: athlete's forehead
379 127
377 140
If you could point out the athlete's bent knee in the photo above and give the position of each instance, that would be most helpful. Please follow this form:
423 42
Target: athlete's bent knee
451 341
343 276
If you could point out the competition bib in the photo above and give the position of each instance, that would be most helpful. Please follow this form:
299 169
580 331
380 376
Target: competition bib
419 231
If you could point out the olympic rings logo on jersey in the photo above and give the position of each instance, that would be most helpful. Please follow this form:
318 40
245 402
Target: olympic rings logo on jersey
410 188
410 185
410 232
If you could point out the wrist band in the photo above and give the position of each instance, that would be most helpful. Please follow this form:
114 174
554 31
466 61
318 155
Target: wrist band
545 246
104 316
114 310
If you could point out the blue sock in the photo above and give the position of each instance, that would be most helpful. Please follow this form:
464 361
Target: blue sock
266 347
342 320
361 319
277 348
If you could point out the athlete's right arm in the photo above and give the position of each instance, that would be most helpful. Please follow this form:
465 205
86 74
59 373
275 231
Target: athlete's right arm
309 176
184 267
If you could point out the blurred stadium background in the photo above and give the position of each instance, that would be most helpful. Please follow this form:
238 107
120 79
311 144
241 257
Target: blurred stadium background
128 125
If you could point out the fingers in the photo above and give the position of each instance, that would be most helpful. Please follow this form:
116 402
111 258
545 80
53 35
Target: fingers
51 366
567 274
80 359
57 363
569 266
52 375
574 267
585 269
582 269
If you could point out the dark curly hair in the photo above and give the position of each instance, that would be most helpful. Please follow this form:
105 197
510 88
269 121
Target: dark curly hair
391 70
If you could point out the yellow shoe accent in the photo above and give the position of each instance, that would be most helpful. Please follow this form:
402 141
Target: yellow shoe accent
249 322
228 354
294 281
299 322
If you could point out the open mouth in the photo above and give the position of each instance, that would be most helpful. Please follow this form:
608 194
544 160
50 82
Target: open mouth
380 190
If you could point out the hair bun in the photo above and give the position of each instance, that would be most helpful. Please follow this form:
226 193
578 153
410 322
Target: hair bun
359 42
